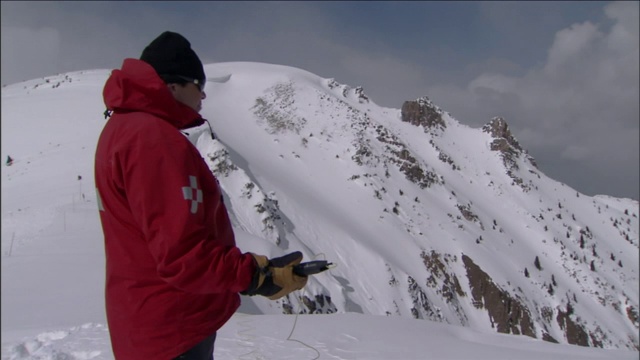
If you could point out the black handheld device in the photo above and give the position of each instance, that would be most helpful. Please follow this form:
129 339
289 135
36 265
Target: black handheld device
312 267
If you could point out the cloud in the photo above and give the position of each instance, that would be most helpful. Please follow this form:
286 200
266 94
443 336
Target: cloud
46 38
23 48
580 106
574 152
575 109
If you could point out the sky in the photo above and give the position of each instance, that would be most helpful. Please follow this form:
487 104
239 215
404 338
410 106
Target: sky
52 252
564 75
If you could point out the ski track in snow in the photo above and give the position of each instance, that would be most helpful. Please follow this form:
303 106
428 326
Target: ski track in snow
85 342
335 337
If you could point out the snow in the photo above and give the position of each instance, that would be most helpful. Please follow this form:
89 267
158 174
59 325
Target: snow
53 256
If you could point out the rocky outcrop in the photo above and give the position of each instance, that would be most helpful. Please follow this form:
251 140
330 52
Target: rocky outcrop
423 112
220 163
362 98
278 111
508 314
422 307
319 304
405 161
346 90
396 154
575 333
510 150
504 140
445 282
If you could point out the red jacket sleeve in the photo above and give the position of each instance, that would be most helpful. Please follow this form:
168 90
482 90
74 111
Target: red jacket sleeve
178 205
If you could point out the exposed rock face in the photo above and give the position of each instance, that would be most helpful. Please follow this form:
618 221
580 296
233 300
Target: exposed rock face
509 148
278 111
397 152
362 98
504 141
508 315
265 205
422 307
632 314
320 304
465 210
346 90
444 281
423 112
221 163
437 269
574 332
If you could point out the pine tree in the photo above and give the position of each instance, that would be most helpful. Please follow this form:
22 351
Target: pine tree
526 272
536 262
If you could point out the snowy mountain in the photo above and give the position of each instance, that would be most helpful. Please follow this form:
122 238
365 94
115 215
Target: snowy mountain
426 218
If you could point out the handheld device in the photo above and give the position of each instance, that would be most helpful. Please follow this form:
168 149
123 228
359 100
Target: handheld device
312 267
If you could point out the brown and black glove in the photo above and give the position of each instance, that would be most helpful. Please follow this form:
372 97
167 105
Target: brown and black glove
274 278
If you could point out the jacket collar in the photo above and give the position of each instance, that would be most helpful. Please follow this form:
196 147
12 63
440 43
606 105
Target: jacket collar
137 87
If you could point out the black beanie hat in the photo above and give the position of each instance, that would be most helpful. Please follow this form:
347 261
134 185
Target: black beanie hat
171 54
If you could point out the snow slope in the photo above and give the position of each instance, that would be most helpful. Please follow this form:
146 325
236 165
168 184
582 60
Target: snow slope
288 156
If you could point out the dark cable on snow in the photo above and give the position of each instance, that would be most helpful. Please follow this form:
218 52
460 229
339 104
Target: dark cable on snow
213 136
248 328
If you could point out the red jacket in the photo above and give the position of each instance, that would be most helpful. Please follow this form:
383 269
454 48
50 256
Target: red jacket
173 269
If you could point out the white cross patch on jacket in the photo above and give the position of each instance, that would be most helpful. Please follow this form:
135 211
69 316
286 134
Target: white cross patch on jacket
193 193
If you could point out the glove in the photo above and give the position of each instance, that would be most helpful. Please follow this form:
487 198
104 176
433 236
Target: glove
275 278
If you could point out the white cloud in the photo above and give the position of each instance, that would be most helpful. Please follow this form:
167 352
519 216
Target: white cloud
581 105
496 82
570 44
625 32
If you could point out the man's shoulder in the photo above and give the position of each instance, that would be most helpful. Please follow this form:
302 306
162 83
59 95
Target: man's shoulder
144 129
144 122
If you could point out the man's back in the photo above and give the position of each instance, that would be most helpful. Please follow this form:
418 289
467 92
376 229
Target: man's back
173 271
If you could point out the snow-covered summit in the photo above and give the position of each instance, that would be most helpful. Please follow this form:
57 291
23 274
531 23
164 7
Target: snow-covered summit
399 198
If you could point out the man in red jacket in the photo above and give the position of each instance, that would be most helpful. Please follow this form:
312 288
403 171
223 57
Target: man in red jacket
173 271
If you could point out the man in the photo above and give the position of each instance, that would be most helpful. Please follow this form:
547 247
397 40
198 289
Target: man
173 271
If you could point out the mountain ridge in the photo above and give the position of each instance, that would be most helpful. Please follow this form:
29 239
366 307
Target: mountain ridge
425 217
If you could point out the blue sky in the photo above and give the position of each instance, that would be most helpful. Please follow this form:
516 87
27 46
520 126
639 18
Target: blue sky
564 75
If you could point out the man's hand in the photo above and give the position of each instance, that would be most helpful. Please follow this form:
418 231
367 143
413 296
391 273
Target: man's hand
275 278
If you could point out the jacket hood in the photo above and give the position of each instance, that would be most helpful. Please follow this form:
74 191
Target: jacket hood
137 87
